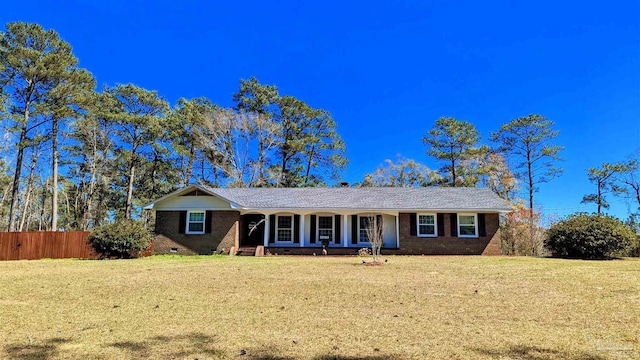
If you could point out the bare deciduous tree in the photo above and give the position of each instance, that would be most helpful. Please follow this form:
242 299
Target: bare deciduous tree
373 230
227 140
401 173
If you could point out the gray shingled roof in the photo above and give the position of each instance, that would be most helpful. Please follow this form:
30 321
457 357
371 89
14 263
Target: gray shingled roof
431 198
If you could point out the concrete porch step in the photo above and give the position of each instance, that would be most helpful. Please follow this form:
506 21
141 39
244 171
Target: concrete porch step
246 251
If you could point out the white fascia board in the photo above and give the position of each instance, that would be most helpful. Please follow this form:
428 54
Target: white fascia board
151 205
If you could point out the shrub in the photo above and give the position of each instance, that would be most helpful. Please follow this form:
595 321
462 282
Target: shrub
364 252
588 237
516 236
122 239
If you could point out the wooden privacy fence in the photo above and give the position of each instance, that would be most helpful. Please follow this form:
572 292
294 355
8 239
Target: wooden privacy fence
31 245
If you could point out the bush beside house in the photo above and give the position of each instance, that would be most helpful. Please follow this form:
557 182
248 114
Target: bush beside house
122 239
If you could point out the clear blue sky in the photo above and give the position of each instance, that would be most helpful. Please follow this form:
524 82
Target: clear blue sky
385 70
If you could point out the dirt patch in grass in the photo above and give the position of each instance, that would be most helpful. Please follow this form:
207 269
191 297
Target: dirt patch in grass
320 308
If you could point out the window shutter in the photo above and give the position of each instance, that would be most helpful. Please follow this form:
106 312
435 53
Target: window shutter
454 224
182 222
312 236
296 229
354 229
482 231
272 229
336 228
413 224
208 218
440 224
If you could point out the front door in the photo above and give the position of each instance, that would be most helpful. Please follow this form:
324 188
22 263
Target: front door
253 229
325 230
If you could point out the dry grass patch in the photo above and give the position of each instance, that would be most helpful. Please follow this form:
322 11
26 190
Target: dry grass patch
320 308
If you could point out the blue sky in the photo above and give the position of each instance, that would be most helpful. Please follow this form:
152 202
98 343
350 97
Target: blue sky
386 70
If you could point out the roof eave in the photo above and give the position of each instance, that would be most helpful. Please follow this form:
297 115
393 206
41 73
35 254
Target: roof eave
459 210
233 204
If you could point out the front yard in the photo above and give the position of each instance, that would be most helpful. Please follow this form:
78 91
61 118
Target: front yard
320 308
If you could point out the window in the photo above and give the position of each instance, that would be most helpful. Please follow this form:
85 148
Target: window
284 231
325 229
427 225
195 222
365 227
467 225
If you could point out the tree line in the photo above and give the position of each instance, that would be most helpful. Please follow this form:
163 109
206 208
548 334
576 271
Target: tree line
77 156
521 155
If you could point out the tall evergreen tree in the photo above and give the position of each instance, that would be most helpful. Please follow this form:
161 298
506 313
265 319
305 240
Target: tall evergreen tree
92 169
307 149
454 143
528 140
65 101
139 116
33 61
605 180
187 117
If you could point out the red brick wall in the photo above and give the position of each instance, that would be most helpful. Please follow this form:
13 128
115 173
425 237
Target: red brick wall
222 237
447 244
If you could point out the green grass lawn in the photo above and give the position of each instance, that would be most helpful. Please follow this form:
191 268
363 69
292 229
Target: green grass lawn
320 308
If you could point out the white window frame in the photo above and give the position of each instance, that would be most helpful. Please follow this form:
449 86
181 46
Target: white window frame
204 222
435 225
475 222
359 217
289 228
333 228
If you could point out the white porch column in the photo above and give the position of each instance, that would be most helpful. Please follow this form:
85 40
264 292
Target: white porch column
266 230
302 230
345 242
398 230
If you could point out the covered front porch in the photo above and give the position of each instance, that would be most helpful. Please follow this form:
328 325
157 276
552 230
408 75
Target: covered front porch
315 229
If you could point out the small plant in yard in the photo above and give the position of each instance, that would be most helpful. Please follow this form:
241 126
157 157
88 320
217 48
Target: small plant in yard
589 237
122 239
364 252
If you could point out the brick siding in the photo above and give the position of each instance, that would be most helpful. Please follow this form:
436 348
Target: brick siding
447 244
224 225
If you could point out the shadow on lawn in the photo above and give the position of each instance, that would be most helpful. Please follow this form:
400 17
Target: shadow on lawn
535 353
322 357
271 352
188 344
47 349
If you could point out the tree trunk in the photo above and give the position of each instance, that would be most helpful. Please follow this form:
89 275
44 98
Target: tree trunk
453 173
16 177
261 181
190 160
54 186
311 154
129 205
25 211
283 172
43 201
531 226
599 196
154 172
